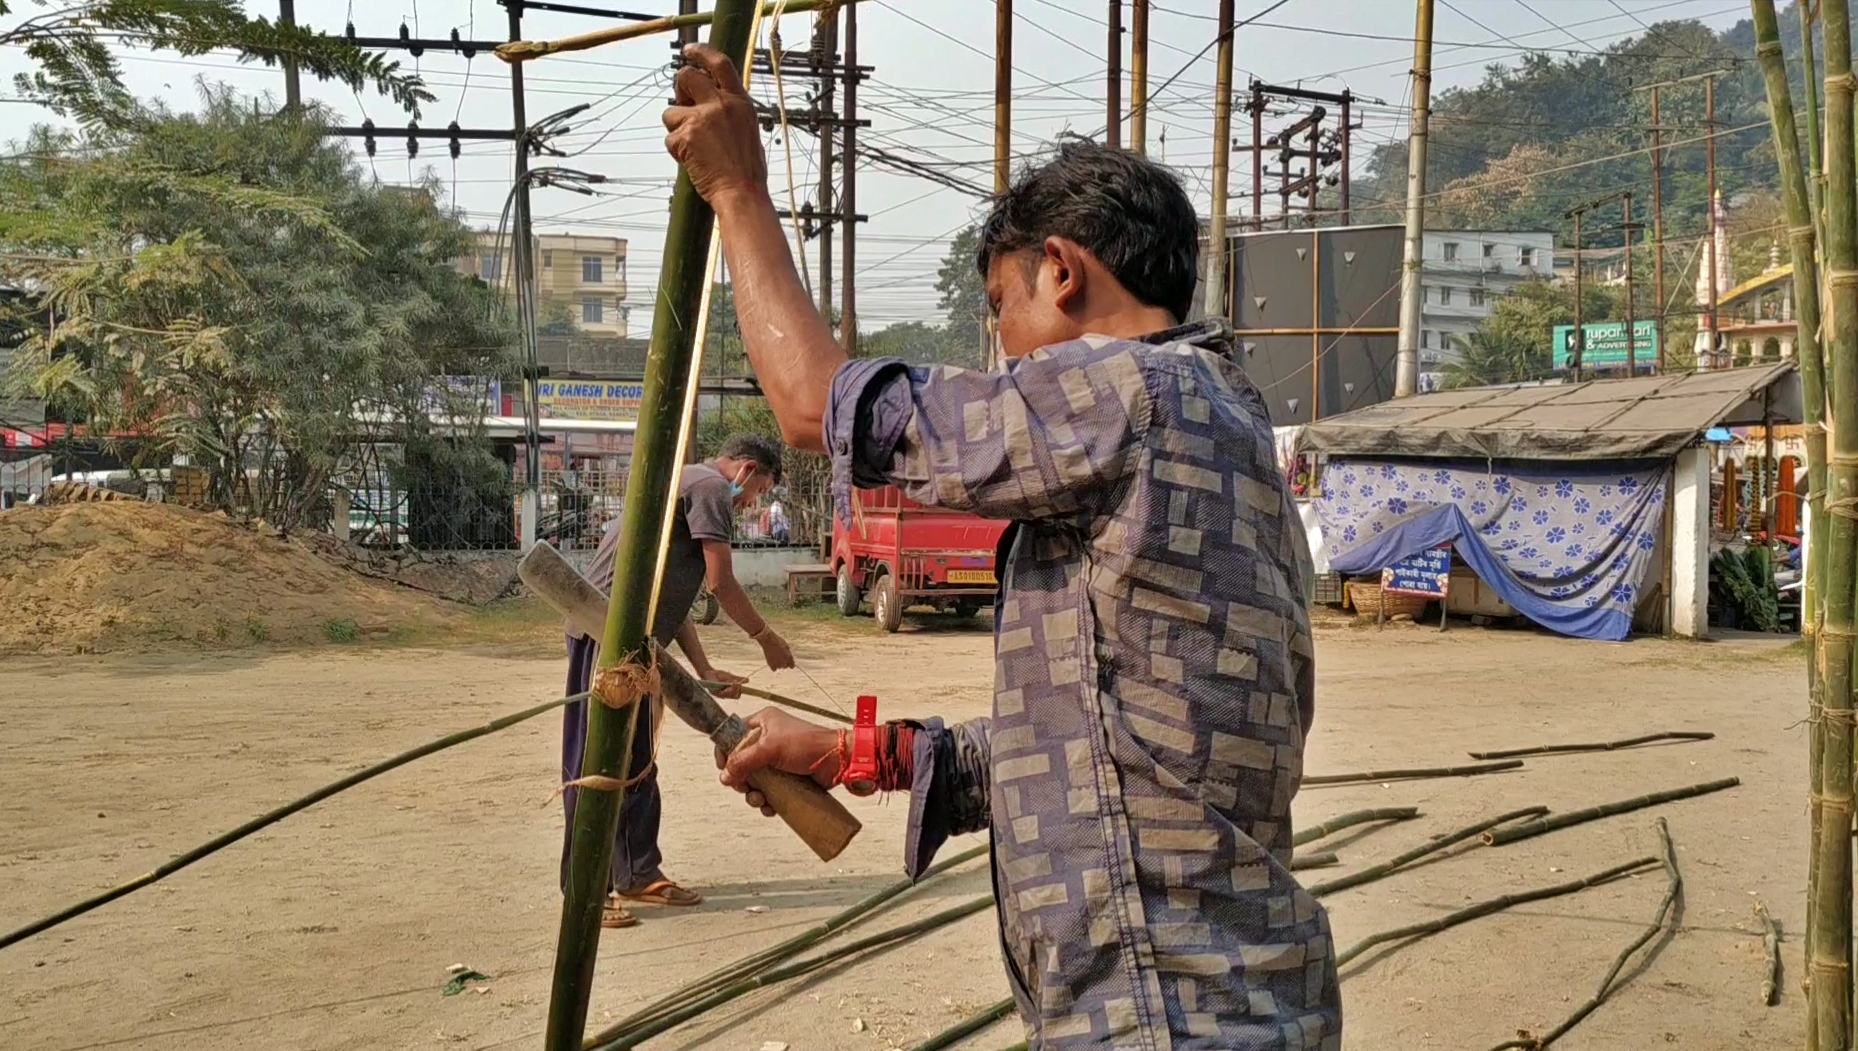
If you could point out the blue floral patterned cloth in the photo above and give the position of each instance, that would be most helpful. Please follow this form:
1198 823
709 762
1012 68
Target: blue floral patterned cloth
1568 545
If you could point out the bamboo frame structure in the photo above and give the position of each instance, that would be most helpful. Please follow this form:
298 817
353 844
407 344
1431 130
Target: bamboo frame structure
1674 890
1485 908
1601 746
272 817
1829 881
1497 837
1324 829
1400 861
682 280
1413 774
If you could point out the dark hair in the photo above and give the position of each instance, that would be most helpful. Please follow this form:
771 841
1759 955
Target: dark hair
762 451
1131 213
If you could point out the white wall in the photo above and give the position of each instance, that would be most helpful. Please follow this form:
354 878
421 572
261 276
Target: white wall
1690 544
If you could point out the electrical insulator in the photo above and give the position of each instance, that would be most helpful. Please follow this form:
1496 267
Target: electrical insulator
467 52
367 138
406 36
412 141
351 30
456 148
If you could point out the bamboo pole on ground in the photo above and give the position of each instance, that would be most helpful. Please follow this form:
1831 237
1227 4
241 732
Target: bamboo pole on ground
624 649
1803 200
1400 861
1320 860
272 817
1497 837
1830 879
1350 820
960 1031
1414 774
1771 950
1602 746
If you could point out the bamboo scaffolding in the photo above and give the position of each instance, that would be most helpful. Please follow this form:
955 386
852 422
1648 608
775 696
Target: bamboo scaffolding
1349 820
760 961
1485 908
1674 889
1413 775
960 1031
1497 837
683 278
1829 881
272 817
1601 746
608 1040
1771 949
1400 861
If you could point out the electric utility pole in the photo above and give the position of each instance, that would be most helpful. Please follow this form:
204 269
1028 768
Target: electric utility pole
1412 292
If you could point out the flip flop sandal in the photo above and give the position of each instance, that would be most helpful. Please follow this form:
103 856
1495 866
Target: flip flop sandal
614 916
664 892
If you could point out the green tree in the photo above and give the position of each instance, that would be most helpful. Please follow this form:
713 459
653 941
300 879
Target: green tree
555 317
963 292
231 287
1486 357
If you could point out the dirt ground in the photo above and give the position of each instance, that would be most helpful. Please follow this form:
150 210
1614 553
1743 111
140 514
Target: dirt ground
335 929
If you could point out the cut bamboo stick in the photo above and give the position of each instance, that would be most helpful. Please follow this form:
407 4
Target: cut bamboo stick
1674 889
1497 837
1602 746
1400 861
1350 820
1771 949
608 1040
272 817
523 50
786 702
1413 775
1485 908
955 1034
1320 860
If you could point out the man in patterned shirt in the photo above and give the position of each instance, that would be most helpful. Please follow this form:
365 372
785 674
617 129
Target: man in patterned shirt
1153 665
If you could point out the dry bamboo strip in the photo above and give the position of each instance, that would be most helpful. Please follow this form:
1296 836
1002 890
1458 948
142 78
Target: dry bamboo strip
960 1031
1497 837
272 817
1771 948
1674 889
786 702
1321 860
1602 746
1350 820
1485 908
1400 861
1412 775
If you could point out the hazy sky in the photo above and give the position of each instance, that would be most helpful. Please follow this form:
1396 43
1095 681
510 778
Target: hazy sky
931 97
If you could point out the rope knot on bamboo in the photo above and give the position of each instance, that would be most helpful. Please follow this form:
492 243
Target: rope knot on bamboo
1844 507
621 685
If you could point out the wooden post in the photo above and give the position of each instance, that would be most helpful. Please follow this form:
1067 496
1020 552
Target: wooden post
609 729
1138 77
1658 303
293 90
1632 337
1222 156
1579 350
1709 153
1113 80
1412 295
1003 93
848 200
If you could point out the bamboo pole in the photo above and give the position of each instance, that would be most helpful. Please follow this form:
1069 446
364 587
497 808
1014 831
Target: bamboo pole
610 1041
1400 861
1830 880
1809 101
1497 837
524 50
1674 889
1350 820
1319 860
1803 200
786 702
1770 948
272 817
1485 908
761 960
1602 746
682 279
1412 775
960 1031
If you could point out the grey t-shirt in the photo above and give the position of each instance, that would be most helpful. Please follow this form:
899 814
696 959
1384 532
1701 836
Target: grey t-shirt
705 511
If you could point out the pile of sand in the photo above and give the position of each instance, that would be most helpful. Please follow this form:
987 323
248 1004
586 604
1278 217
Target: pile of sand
87 577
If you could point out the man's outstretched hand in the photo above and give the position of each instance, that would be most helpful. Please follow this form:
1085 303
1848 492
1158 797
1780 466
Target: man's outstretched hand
785 743
713 130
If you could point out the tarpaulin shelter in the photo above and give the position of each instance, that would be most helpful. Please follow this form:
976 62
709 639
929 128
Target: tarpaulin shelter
1581 505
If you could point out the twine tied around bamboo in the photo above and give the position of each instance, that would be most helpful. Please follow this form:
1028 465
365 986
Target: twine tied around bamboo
1830 803
622 685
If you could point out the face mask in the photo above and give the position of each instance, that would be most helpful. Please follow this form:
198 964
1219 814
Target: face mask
735 484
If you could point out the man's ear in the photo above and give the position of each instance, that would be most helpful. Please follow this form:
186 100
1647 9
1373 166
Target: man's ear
1063 261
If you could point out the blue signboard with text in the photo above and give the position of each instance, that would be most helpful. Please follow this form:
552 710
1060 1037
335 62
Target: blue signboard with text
1426 573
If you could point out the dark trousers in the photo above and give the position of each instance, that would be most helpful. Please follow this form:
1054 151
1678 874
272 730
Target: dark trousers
636 859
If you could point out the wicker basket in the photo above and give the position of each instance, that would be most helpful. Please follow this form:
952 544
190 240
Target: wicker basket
1368 600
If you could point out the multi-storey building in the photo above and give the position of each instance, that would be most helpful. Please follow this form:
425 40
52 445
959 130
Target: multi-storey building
587 273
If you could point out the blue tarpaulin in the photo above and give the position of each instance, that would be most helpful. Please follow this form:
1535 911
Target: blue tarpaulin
1567 545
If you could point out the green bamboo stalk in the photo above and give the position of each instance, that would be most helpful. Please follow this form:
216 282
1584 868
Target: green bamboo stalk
1809 100
960 1031
1400 861
1803 201
1830 938
682 278
1674 889
1497 837
1350 820
608 1040
272 817
1485 908
1602 746
763 959
1413 775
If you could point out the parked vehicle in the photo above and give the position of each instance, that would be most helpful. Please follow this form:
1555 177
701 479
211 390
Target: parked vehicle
901 554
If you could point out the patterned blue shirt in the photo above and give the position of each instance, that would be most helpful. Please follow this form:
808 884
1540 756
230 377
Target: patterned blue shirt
1153 685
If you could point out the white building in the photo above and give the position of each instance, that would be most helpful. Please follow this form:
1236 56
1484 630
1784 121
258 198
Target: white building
1462 275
